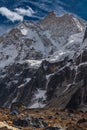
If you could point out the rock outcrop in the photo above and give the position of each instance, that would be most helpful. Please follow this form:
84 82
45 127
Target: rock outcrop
27 121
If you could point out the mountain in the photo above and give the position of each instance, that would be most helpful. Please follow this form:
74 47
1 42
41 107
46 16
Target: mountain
44 64
14 11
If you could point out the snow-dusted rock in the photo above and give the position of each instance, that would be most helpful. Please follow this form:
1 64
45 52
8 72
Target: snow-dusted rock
41 63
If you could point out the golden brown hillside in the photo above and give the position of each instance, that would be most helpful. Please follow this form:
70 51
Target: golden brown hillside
42 119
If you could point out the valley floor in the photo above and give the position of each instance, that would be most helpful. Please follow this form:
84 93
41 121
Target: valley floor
43 119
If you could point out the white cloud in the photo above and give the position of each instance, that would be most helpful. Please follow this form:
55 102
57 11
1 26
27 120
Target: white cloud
11 15
17 14
24 12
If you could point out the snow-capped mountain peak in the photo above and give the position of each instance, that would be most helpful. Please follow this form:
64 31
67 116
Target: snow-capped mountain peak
40 61
30 40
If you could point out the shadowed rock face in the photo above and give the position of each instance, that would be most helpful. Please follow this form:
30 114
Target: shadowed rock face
70 87
44 64
85 34
59 80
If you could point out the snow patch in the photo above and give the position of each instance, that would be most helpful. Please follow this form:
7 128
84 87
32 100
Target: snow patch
37 44
7 55
37 105
24 31
81 64
38 99
68 86
48 76
68 50
20 86
78 23
34 63
40 94
28 80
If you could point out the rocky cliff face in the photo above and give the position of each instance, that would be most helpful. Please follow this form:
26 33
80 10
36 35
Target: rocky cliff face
44 64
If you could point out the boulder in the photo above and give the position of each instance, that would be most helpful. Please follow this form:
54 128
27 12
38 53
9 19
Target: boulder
30 121
21 122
